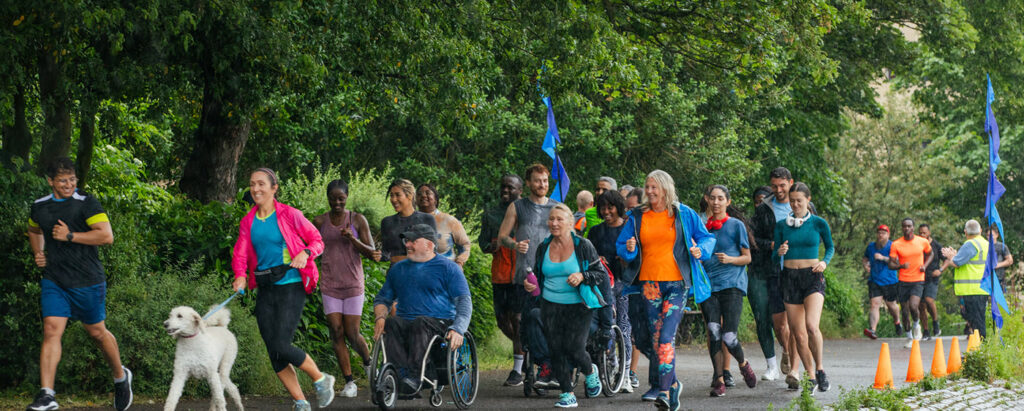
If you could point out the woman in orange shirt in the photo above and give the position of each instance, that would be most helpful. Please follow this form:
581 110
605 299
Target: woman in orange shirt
663 242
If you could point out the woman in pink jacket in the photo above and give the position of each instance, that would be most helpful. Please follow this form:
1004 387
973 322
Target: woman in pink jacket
274 252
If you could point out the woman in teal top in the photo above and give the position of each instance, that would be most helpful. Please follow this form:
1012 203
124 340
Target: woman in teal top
797 239
564 263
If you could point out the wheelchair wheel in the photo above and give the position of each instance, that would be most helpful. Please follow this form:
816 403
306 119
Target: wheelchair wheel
463 374
613 364
385 393
435 398
376 363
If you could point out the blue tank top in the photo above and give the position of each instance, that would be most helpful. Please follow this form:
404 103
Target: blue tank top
556 287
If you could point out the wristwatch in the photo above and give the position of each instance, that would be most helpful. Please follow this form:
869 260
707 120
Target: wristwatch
308 253
70 236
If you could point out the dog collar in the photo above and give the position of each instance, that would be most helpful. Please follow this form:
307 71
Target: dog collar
193 335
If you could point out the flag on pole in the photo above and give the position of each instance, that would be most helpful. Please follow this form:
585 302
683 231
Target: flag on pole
551 140
990 282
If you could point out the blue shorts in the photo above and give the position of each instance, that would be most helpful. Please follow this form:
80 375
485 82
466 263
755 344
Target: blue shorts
86 304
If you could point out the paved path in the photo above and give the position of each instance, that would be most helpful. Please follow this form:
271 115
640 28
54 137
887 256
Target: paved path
849 363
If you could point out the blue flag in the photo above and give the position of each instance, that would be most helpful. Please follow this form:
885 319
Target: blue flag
551 140
990 282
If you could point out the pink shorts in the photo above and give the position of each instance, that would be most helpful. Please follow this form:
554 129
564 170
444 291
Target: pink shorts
346 306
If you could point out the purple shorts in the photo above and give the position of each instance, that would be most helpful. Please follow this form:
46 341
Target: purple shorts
346 306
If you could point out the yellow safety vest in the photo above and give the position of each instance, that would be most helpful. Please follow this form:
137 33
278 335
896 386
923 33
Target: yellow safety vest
967 278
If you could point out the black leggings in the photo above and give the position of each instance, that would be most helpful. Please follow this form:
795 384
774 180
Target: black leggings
407 341
566 327
722 313
278 311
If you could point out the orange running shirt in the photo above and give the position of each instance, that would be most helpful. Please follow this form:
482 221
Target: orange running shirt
657 238
910 253
503 265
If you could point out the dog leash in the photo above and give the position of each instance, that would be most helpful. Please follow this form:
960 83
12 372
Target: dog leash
217 308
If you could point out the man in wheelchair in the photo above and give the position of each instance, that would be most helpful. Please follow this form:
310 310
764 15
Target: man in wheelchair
432 298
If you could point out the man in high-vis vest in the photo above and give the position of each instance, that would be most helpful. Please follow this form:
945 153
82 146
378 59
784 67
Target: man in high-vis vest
970 268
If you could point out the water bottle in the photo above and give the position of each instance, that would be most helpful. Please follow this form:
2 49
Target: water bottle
532 279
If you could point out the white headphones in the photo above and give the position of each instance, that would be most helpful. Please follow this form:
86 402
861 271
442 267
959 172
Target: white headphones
796 222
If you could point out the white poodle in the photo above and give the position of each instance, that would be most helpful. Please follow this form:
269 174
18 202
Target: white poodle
206 349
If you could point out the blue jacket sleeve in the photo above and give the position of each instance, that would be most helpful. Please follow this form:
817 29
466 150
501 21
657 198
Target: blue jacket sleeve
628 231
698 233
463 312
386 295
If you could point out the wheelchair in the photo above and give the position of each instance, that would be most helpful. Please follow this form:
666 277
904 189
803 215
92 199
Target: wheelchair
457 370
611 362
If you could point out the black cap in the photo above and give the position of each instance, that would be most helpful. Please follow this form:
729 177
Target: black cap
419 231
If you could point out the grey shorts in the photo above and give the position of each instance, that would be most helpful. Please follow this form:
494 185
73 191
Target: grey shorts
931 287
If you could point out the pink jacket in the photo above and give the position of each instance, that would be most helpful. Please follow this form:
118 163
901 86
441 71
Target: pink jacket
299 234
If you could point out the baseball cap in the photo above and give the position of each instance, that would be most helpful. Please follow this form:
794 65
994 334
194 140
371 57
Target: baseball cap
419 231
880 227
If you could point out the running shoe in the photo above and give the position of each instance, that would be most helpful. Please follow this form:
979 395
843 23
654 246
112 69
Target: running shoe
43 402
674 392
544 378
899 328
938 331
814 386
593 382
633 380
566 400
123 391
822 380
784 366
727 377
909 344
792 382
748 374
514 379
650 395
771 374
324 391
870 334
301 405
662 402
626 388
917 331
927 336
350 390
718 389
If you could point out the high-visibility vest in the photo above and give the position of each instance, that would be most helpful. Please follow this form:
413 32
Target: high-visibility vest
967 278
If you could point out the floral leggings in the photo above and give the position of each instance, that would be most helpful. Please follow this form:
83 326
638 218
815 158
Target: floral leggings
665 301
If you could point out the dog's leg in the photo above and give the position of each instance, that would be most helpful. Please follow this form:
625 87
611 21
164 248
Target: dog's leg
217 403
232 391
226 363
177 384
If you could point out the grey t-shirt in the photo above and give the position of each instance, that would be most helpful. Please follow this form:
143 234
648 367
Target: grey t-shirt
391 227
531 224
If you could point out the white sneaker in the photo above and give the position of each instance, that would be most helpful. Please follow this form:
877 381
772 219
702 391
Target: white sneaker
771 374
627 388
909 344
917 331
350 390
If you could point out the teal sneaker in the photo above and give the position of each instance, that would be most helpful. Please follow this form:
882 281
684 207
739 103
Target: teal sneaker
593 382
324 391
301 405
566 400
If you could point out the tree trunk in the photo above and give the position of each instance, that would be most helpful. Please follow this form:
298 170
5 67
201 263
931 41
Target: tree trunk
17 138
220 138
86 139
56 139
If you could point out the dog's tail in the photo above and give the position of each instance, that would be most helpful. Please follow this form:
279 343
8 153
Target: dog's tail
220 318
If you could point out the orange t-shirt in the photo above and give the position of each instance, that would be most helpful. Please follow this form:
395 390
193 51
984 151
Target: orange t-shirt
911 253
657 238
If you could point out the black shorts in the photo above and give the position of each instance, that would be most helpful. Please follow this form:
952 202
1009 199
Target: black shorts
799 283
506 299
910 289
887 292
931 288
775 303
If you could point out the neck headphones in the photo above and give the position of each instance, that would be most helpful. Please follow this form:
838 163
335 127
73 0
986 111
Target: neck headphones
797 222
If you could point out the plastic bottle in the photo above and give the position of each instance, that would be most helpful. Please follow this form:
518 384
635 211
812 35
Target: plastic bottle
532 279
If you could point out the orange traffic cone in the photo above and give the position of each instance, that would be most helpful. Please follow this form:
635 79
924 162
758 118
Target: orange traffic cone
973 342
883 376
915 371
939 360
954 356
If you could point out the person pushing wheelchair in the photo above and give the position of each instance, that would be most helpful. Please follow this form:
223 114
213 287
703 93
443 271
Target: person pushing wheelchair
433 299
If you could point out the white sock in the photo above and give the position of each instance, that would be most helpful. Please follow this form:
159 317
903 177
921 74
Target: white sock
517 363
49 390
771 363
910 334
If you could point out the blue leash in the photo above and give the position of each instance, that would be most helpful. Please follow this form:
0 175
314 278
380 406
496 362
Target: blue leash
217 308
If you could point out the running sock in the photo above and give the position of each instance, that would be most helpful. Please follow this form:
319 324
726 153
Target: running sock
49 391
935 325
771 362
348 378
910 335
124 377
517 363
